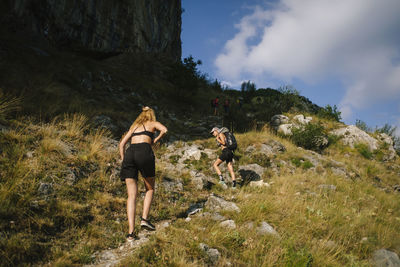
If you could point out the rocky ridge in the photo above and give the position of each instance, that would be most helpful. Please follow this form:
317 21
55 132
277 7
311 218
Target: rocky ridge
106 27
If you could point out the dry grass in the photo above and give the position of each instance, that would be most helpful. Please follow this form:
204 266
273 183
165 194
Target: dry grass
317 227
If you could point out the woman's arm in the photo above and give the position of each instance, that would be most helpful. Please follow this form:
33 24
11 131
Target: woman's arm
221 139
162 129
123 143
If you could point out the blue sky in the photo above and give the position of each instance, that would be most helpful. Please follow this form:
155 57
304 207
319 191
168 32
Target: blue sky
344 52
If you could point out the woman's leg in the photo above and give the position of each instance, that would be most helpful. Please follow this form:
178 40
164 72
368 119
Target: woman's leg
131 186
149 184
232 173
216 164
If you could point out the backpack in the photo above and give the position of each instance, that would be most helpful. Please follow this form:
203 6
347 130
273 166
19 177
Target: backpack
230 141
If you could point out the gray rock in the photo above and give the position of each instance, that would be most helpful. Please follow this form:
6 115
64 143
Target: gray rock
192 152
29 154
275 146
70 177
327 187
214 216
260 183
285 129
251 172
353 135
215 203
45 189
195 208
201 181
212 253
265 228
277 120
107 255
249 225
339 171
172 185
230 224
300 119
386 258
105 29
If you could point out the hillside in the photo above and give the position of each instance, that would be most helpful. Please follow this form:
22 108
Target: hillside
63 203
312 191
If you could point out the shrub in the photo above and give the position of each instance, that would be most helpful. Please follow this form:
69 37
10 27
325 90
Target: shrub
363 149
309 136
330 113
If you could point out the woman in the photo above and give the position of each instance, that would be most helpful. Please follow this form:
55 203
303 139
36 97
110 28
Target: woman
140 157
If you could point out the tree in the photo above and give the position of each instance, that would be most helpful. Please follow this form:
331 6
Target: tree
248 90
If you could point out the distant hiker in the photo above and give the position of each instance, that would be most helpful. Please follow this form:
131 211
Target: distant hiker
216 103
239 103
213 105
227 142
226 106
140 157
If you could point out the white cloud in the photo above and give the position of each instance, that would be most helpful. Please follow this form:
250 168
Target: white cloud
356 41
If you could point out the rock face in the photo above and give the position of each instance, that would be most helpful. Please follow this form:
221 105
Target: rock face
103 26
352 136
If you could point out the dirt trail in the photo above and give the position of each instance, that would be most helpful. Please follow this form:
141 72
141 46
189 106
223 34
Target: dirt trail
112 257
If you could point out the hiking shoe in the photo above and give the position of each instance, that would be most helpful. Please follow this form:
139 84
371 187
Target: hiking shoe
132 237
147 225
221 182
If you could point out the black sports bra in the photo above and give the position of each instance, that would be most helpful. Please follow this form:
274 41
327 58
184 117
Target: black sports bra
145 132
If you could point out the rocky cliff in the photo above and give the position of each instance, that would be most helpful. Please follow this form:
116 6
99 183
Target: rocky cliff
101 26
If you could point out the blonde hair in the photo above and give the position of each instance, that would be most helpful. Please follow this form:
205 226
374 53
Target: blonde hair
146 115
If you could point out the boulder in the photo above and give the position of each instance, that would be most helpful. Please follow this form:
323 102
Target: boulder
263 149
265 229
215 203
201 181
172 185
277 120
195 208
212 253
300 119
230 224
214 216
251 172
191 152
353 136
45 189
386 258
275 146
285 129
260 183
327 187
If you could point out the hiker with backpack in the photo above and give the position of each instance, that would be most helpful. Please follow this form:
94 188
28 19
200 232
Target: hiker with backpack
215 104
226 140
139 157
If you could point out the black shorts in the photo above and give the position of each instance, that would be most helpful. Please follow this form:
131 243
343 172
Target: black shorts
226 155
138 157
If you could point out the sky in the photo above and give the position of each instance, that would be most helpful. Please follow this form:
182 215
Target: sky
342 52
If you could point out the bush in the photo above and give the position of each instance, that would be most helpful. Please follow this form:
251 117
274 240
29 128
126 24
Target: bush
330 113
363 149
310 136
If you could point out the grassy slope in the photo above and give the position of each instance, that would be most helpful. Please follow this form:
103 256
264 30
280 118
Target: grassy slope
74 219
318 227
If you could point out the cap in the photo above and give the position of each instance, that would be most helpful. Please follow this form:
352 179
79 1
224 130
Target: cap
214 129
